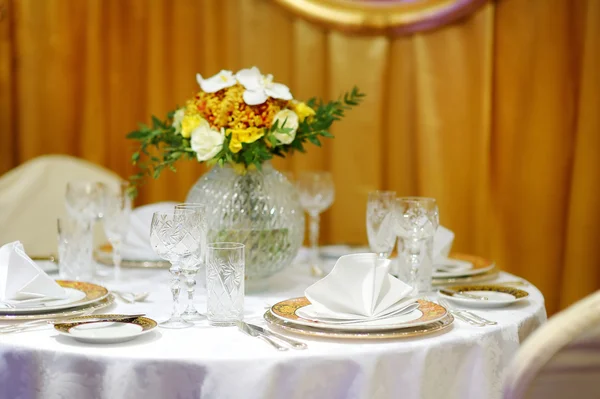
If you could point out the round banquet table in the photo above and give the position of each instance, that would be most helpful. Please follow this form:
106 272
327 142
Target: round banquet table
461 362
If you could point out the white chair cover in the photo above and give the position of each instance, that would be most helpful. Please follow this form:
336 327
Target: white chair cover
562 358
32 198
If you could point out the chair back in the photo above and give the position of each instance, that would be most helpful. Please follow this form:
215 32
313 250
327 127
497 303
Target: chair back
562 358
32 198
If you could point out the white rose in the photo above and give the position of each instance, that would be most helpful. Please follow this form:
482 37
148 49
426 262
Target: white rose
291 122
206 142
177 119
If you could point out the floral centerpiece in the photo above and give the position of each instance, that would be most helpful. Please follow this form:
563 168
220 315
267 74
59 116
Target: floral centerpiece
239 122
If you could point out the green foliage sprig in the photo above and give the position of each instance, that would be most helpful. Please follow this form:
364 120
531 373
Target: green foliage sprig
161 147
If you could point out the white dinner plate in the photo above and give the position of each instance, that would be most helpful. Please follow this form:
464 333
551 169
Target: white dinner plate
497 296
78 294
428 312
107 332
459 268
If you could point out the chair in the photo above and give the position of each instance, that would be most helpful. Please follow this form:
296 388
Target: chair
32 198
562 358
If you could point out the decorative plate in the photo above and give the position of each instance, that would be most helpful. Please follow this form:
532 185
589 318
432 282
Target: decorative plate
103 255
426 313
479 265
497 295
409 332
78 294
478 278
106 332
72 312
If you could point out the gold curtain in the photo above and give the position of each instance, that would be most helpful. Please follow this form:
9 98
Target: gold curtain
495 115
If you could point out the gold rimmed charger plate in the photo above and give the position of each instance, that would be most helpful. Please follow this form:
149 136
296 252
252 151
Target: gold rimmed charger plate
67 313
92 293
286 311
479 264
103 255
478 278
408 332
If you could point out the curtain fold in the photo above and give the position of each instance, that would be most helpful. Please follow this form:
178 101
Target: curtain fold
495 115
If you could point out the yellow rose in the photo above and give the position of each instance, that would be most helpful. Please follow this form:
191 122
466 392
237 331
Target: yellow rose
303 111
189 124
239 136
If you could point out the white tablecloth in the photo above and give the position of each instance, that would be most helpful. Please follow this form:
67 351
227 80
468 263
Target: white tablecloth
465 362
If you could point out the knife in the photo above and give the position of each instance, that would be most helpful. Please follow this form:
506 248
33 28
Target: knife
245 328
97 319
295 344
450 292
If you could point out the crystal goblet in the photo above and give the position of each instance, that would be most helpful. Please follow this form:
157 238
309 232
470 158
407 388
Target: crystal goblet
116 218
316 192
380 222
197 232
416 220
166 233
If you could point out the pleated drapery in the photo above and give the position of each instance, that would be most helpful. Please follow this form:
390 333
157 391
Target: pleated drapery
497 115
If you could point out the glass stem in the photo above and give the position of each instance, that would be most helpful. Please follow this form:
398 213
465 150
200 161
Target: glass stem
117 258
414 259
190 281
175 271
314 238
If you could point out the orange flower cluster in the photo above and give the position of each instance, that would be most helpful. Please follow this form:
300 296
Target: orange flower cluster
227 109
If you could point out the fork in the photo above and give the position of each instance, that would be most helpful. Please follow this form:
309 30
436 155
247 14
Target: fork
466 313
29 325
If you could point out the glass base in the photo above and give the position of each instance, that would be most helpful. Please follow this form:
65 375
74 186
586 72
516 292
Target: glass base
175 323
218 323
193 316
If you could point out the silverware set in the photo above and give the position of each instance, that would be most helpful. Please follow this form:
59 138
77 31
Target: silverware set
278 341
466 315
78 320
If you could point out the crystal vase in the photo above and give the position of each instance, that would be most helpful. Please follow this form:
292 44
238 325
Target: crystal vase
258 208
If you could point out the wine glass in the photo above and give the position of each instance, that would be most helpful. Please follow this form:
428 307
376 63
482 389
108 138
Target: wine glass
416 220
197 236
85 200
116 218
380 222
316 191
166 232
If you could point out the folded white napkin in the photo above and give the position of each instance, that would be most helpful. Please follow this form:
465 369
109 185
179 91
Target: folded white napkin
137 243
442 242
358 287
21 278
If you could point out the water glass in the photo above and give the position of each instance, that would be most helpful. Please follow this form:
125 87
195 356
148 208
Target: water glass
416 221
225 283
84 201
316 192
74 250
380 222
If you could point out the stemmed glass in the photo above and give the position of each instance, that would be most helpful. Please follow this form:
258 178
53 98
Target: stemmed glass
416 220
316 191
116 217
167 232
380 222
196 234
